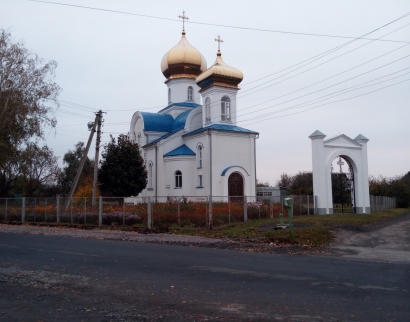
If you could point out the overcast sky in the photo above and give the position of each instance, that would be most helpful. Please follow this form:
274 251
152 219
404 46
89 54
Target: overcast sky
111 61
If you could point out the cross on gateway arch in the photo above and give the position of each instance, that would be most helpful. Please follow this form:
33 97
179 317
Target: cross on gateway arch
354 152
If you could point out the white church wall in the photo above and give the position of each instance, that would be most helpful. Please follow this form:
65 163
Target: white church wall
194 120
179 90
215 94
186 165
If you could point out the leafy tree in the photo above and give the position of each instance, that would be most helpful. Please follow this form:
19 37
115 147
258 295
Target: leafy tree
298 184
26 88
397 187
262 184
122 171
85 189
72 161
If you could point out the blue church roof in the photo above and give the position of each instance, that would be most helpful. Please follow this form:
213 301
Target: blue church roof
180 121
185 104
157 122
181 150
223 127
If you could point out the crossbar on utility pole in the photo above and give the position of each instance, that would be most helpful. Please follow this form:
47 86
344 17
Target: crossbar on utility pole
80 168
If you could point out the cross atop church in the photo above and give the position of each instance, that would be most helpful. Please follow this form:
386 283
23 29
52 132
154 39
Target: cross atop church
219 40
183 17
340 163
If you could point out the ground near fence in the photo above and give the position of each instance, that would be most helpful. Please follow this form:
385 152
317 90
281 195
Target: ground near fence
312 233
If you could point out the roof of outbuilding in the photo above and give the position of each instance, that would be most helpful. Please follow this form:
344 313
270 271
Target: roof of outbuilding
181 150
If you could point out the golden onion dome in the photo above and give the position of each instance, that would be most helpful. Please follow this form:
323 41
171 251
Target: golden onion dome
183 60
220 74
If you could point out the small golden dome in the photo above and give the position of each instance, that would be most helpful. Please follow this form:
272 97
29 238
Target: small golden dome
221 74
183 60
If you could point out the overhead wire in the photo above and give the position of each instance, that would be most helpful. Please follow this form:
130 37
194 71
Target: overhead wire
220 25
349 98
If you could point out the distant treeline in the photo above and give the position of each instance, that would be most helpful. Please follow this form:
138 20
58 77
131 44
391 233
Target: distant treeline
398 187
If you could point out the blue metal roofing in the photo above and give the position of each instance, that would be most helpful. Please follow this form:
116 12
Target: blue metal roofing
181 150
157 122
223 127
185 104
163 137
224 172
180 120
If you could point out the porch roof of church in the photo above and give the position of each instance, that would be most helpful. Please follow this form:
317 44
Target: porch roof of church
164 122
184 104
157 122
181 150
222 127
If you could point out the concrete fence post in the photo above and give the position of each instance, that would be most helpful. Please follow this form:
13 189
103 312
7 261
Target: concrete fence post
210 224
5 214
23 209
270 208
100 210
308 210
149 213
58 210
179 212
245 209
315 205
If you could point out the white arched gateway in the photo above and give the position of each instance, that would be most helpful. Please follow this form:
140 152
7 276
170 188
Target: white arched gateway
354 152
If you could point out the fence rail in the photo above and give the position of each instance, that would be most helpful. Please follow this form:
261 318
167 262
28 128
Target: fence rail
150 212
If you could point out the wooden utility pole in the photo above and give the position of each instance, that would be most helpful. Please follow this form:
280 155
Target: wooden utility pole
97 154
80 168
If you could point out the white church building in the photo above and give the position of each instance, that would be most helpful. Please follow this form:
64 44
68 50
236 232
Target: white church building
193 147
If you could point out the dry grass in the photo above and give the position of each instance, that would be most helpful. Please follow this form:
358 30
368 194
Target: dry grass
308 230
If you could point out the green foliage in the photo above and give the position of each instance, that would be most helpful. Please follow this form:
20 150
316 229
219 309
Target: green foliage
298 184
122 171
72 161
262 184
398 187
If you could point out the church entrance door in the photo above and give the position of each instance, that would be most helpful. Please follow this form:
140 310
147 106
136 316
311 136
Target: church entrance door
235 187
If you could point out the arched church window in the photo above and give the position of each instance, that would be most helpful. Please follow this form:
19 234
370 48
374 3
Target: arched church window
199 156
178 179
225 109
190 93
169 96
150 175
207 110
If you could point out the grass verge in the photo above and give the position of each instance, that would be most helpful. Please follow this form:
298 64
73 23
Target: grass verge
308 230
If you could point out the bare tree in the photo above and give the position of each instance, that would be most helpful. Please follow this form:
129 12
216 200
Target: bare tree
27 88
38 167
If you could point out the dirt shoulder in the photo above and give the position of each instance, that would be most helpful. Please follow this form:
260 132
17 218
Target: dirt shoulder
382 241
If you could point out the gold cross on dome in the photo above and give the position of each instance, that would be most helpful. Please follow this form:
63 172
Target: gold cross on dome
183 17
219 40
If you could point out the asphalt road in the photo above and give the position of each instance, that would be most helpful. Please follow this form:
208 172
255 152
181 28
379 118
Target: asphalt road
45 278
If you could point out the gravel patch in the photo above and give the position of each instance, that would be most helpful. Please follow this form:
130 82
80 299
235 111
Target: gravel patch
108 235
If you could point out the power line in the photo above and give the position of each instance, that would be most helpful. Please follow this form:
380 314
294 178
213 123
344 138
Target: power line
310 60
219 25
321 56
334 94
349 98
